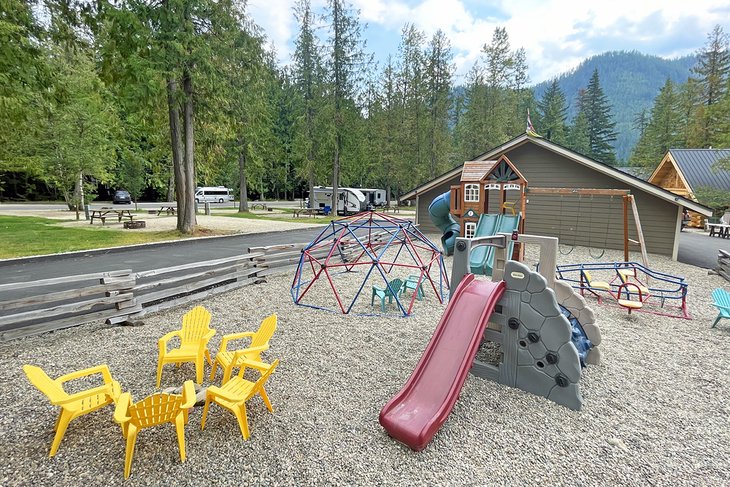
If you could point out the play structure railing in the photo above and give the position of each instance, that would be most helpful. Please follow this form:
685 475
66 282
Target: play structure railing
646 284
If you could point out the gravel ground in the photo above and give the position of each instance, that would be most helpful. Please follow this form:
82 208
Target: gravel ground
655 412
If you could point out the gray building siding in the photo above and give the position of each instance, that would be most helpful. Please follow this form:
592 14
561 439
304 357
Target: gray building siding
594 222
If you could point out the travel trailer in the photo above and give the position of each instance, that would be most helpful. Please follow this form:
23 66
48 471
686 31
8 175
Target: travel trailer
209 194
375 197
350 200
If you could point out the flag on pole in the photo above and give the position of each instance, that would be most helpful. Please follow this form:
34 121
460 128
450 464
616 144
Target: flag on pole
530 130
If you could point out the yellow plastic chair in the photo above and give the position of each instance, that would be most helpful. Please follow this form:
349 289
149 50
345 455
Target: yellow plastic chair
73 405
229 360
153 410
234 394
194 337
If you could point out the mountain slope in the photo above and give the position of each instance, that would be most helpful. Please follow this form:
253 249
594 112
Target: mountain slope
630 81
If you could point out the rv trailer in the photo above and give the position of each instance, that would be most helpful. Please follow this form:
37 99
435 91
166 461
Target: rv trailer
350 200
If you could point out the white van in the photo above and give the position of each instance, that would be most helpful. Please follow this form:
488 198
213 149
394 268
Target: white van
210 194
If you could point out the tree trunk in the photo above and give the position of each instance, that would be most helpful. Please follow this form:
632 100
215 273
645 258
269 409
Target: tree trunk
174 116
171 186
79 194
243 204
336 176
186 218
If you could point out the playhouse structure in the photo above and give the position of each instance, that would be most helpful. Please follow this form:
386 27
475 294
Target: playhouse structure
376 250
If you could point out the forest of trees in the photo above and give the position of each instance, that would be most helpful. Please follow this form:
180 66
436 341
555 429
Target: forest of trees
160 96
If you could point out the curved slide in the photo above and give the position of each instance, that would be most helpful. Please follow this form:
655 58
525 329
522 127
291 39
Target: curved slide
440 212
415 414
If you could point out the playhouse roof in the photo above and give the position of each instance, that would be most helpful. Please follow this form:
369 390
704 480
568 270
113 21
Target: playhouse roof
476 170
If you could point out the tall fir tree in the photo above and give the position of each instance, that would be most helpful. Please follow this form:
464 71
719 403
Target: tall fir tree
663 130
594 104
553 114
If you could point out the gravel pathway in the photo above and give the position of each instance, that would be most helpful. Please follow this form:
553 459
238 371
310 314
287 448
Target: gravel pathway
655 412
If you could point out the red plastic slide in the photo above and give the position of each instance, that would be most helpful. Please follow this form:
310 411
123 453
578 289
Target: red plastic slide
416 413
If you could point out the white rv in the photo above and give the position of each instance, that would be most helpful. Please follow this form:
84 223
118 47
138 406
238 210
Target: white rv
374 197
350 200
210 194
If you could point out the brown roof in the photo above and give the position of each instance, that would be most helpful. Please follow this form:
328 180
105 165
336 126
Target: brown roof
476 170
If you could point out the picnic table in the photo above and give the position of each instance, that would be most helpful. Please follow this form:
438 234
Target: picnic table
394 209
260 205
168 209
305 211
719 229
106 212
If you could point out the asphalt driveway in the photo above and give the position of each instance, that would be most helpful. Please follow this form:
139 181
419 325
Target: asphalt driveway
699 249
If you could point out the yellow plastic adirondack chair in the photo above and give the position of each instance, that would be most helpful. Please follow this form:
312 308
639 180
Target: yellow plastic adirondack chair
234 394
73 405
153 410
229 360
194 337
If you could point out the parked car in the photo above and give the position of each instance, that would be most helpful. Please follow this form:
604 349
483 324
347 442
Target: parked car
122 197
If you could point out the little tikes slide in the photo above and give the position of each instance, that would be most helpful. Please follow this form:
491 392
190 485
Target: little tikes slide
440 212
414 415
481 260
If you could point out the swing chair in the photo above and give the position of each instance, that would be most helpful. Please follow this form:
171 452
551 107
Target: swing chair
596 255
575 229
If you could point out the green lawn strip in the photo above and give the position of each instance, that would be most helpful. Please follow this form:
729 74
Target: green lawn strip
24 236
255 216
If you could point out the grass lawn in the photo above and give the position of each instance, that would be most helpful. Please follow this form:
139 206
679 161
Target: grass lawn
23 236
287 216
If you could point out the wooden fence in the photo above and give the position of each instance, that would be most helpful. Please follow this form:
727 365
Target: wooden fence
723 264
35 307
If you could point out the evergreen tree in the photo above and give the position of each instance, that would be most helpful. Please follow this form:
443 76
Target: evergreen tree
439 71
712 70
579 135
594 105
345 62
553 114
663 131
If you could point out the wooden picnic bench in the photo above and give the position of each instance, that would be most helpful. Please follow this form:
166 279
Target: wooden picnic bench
259 205
719 229
168 209
106 212
305 211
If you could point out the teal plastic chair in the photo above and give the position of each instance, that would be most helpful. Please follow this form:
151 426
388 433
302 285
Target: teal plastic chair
412 284
394 287
722 302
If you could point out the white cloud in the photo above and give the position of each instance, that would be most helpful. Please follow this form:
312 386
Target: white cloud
557 34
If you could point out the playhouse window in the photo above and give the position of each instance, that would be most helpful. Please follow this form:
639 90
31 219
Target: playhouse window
470 229
471 192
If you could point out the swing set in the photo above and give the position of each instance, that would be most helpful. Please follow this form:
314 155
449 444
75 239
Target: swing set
630 283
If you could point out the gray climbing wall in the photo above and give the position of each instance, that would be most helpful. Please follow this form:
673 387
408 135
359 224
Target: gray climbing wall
571 300
538 355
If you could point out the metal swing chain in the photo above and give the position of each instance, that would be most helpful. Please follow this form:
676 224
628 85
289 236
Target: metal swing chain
590 231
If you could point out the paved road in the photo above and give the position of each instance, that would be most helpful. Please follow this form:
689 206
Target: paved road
147 257
143 205
700 250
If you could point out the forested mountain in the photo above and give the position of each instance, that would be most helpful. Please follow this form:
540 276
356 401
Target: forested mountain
630 81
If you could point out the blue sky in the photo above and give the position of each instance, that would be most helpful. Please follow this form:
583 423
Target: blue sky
557 34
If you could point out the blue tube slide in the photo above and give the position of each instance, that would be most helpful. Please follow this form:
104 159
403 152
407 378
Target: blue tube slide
440 212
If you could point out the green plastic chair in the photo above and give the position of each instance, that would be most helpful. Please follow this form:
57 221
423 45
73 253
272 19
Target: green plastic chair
412 284
721 300
394 287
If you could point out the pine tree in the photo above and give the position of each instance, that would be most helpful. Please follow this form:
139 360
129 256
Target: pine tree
553 113
438 74
663 131
579 136
712 70
594 104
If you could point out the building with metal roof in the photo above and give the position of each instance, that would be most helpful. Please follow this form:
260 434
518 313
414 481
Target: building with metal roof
684 171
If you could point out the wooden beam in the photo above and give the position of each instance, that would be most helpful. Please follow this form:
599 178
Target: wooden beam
579 191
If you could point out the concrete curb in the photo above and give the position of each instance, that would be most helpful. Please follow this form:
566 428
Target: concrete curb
113 250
